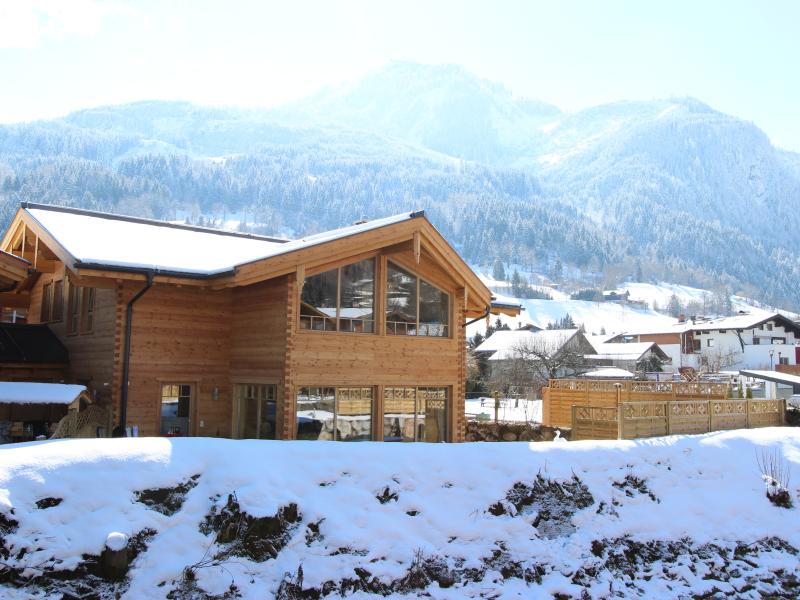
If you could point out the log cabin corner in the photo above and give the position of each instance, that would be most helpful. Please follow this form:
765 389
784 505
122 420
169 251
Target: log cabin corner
352 334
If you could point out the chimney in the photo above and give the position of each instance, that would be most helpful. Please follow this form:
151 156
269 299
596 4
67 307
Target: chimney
681 318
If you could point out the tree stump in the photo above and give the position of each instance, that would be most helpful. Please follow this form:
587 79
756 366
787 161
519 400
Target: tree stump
114 560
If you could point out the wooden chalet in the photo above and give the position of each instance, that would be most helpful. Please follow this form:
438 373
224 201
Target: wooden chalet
353 334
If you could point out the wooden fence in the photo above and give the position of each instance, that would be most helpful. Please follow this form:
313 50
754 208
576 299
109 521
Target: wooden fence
650 419
563 394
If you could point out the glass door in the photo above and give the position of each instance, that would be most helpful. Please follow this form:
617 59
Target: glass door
176 405
256 407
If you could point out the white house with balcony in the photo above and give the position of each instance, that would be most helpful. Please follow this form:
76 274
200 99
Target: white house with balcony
749 340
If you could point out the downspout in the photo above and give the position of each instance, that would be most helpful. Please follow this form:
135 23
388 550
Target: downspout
126 356
476 319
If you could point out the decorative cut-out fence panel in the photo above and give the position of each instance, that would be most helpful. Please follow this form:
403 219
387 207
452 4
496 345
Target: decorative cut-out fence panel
562 394
649 419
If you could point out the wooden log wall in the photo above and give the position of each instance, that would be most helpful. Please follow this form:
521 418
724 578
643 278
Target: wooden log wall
91 354
180 335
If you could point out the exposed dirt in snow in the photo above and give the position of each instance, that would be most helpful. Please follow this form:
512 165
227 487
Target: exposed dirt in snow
240 534
674 517
167 500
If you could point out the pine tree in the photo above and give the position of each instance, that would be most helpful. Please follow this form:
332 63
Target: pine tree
674 307
498 271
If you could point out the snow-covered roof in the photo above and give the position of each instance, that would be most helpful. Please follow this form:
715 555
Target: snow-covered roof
609 373
621 351
23 392
774 376
747 320
112 241
504 344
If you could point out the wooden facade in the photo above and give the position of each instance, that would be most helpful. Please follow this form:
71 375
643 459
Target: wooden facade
205 344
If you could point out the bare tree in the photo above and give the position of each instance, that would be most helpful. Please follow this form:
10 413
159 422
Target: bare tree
534 362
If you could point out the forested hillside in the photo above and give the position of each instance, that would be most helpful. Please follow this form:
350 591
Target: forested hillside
670 188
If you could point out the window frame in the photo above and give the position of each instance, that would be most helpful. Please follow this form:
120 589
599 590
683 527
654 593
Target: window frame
448 326
418 390
190 429
74 296
88 309
237 398
337 319
46 309
372 414
57 309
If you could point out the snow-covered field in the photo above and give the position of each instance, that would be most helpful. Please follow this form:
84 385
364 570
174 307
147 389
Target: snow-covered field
511 410
594 316
659 518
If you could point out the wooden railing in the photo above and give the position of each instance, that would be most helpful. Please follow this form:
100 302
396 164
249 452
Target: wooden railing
633 388
649 419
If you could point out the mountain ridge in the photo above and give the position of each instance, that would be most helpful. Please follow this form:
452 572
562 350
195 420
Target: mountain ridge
672 185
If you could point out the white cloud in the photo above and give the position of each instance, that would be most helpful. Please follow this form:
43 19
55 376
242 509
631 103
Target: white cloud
27 23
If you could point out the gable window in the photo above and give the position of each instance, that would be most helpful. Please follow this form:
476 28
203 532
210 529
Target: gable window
415 414
414 306
46 302
769 326
343 414
341 299
87 310
73 308
57 314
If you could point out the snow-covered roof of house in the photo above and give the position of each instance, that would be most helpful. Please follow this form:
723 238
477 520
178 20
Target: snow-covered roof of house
621 351
100 239
609 373
24 392
774 376
504 344
744 320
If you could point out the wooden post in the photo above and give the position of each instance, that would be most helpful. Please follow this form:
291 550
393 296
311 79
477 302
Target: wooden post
417 247
708 410
114 560
668 416
619 410
747 412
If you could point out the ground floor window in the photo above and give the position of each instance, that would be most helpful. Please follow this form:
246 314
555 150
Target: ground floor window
331 413
415 414
255 411
176 401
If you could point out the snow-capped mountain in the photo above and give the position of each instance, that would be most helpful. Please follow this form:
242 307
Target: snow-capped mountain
671 187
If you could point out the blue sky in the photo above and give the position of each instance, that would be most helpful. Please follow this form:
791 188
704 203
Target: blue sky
740 57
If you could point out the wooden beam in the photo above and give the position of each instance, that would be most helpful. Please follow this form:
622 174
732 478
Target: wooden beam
417 248
48 266
301 277
11 300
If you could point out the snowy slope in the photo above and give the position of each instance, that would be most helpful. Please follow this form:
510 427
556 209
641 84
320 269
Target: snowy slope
594 316
503 520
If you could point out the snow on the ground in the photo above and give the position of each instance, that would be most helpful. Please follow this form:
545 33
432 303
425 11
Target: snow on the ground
511 409
594 316
391 514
